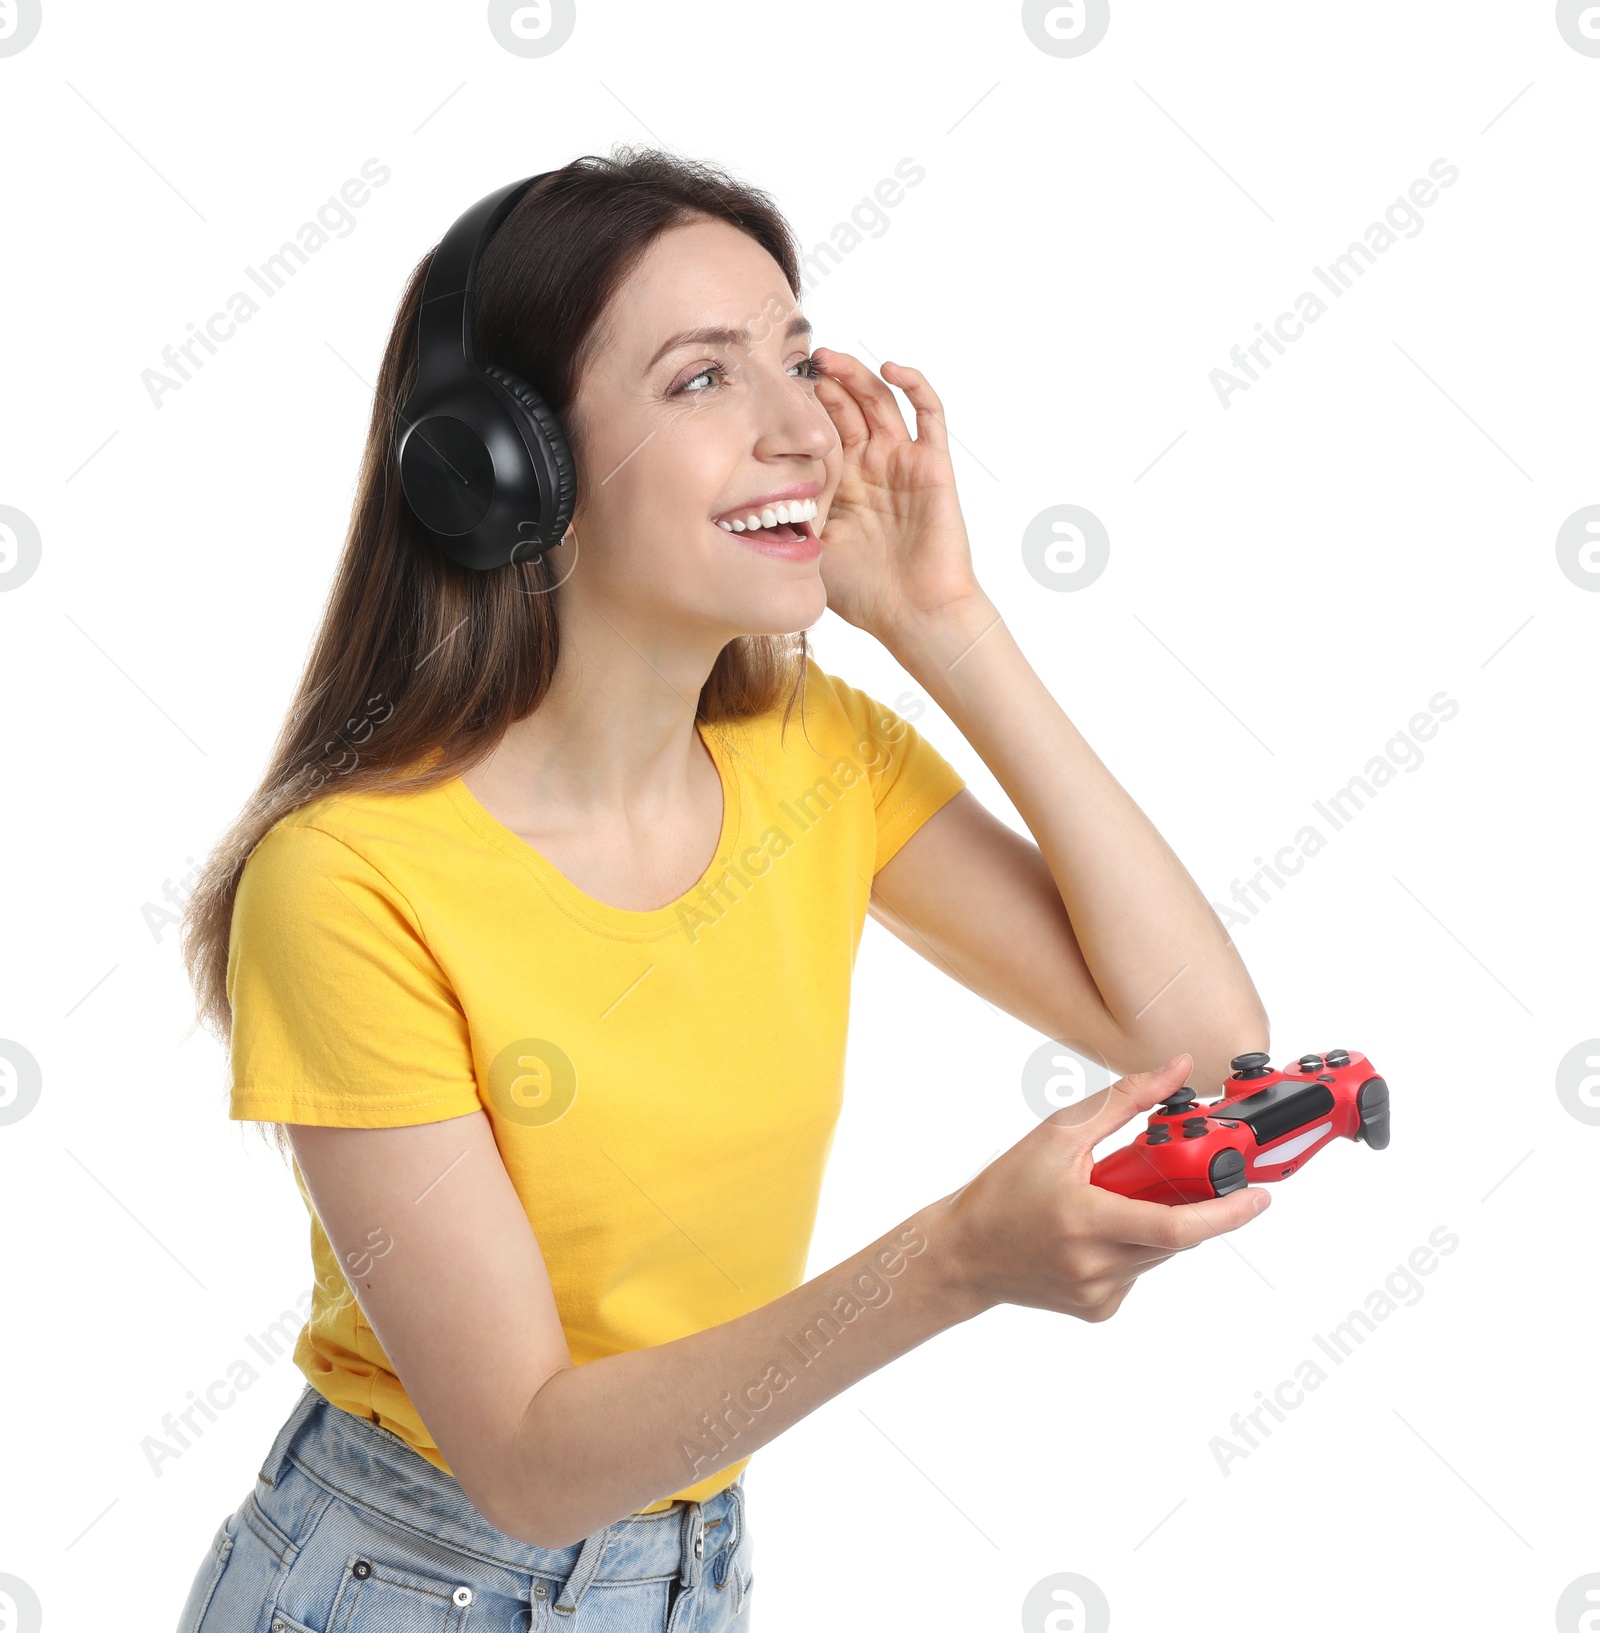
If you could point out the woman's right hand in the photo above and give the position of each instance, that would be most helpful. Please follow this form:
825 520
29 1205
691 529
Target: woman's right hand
1032 1229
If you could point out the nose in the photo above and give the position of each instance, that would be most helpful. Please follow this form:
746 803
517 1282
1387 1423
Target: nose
790 422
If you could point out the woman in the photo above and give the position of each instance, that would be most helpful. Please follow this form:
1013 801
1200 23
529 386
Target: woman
559 1089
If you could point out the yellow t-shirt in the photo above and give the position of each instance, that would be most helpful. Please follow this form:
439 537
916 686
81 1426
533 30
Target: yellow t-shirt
663 1085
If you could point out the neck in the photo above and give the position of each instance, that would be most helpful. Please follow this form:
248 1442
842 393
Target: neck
615 735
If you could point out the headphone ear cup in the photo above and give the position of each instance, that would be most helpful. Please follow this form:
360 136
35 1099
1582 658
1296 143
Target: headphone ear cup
548 429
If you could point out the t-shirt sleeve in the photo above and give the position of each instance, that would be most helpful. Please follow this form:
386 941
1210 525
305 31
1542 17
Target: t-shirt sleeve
909 777
341 1014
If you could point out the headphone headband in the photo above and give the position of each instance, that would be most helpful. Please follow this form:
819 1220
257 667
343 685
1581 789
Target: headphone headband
484 463
444 325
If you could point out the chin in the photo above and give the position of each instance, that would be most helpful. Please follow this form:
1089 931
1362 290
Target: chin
781 612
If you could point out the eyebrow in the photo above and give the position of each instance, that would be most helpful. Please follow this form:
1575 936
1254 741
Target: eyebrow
724 337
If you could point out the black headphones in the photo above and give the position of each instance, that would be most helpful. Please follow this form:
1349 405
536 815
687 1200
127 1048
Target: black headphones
484 463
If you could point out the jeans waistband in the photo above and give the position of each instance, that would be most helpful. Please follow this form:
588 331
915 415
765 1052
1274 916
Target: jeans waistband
367 1466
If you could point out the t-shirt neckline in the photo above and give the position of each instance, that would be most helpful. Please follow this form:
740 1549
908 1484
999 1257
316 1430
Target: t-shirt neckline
641 924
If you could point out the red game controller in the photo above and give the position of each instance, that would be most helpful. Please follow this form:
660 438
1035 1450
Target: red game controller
1263 1129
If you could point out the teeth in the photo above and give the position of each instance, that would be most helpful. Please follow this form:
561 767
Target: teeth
791 511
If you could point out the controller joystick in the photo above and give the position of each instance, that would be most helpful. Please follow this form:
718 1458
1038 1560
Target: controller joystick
1267 1124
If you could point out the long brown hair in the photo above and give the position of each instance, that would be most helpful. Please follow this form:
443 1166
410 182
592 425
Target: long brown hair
419 666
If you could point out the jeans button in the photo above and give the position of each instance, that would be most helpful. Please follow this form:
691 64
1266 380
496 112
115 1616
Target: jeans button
462 1596
699 1545
540 1591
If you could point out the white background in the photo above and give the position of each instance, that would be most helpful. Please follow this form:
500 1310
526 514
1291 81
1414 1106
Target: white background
1373 522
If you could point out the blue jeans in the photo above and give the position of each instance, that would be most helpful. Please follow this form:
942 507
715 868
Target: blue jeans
348 1530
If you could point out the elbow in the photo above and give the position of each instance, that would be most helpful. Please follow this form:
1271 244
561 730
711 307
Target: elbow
532 1504
1223 1025
1210 1026
1212 1045
1248 1029
1245 1032
532 1536
535 1525
1261 1023
519 1488
510 1495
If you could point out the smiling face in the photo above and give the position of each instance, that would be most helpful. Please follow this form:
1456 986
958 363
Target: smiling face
684 434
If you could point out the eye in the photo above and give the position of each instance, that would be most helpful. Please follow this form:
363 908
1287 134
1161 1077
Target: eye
813 371
709 369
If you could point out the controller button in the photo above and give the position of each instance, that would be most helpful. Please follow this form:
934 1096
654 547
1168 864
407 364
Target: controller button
1311 1063
1227 1172
1179 1100
1195 1129
1254 1064
1159 1135
1326 1077
1224 1122
1337 1057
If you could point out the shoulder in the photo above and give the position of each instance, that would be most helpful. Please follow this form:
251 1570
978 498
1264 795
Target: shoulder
853 722
346 848
367 822
829 722
326 899
831 694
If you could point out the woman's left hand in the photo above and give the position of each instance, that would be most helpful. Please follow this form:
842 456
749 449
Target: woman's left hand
894 551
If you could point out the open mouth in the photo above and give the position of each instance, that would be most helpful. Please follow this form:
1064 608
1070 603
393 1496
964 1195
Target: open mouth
778 533
784 523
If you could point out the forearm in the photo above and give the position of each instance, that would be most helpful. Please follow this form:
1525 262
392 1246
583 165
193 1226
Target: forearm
600 1441
1170 977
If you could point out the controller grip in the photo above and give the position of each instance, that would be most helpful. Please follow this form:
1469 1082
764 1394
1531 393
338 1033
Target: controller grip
1372 1101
